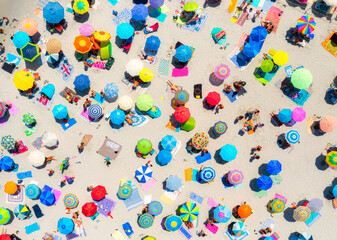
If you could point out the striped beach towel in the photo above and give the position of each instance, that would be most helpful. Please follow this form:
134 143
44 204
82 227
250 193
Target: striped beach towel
275 236
243 18
134 201
274 16
269 222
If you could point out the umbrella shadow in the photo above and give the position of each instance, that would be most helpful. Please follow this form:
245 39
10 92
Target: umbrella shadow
178 64
138 25
11 217
293 235
206 105
115 126
218 158
118 41
263 170
212 4
42 166
212 134
315 129
253 185
140 1
327 193
35 38
82 93
214 81
321 163
83 18
111 100
327 98
288 214
35 64
53 147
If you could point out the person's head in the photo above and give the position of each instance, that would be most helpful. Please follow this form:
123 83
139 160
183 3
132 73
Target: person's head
86 99
257 157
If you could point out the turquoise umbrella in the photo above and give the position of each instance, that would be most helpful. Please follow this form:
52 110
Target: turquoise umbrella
60 111
125 31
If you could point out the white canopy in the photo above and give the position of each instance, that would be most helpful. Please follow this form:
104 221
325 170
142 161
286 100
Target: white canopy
37 158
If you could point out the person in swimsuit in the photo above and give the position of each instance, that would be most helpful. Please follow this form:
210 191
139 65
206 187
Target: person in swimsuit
146 57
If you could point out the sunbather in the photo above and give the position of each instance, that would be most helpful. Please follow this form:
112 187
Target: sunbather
86 103
49 159
189 16
31 90
268 25
143 56
174 88
227 88
69 95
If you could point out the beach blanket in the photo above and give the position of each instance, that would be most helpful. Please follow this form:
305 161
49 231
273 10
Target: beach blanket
105 206
125 15
185 232
232 6
71 122
329 45
165 199
134 201
313 218
260 194
303 95
66 70
38 142
254 3
55 237
176 149
164 66
242 19
277 179
289 70
275 236
117 235
18 197
83 113
274 15
231 96
203 158
266 5
23 175
32 228
196 198
173 126
141 89
180 72
13 110
231 237
310 121
44 102
42 3
213 229
232 57
22 149
212 203
137 118
197 25
149 184
109 149
10 58
268 223
113 2
147 199
191 174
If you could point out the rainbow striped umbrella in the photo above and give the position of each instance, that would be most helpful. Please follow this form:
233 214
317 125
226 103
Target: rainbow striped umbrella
277 205
306 24
302 213
2 109
235 177
181 97
220 128
331 159
189 212
222 71
70 201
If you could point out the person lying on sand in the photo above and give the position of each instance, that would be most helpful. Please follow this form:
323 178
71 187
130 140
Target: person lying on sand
146 57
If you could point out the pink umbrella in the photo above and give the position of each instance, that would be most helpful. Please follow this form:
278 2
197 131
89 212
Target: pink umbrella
298 114
222 71
86 30
235 177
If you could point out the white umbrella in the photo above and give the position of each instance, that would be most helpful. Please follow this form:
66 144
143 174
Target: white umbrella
49 139
331 3
133 67
37 158
125 103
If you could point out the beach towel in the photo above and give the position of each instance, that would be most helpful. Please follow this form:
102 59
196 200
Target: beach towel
165 199
117 235
313 218
268 223
212 203
196 198
23 175
39 13
42 3
232 6
71 122
254 3
113 2
13 110
57 195
266 5
310 122
137 118
66 70
274 15
213 229
231 237
303 95
18 197
231 97
188 174
164 66
233 58
134 201
105 206
22 149
197 25
277 179
32 228
275 236
173 126
329 45
83 113
44 102
242 19
278 196
173 195
289 70
98 98
203 158
261 194
149 184
185 232
55 237
163 9
124 15
109 149
180 72
10 58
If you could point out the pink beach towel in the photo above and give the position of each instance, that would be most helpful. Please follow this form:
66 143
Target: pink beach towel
278 196
274 16
57 195
241 40
211 203
22 149
13 110
43 100
213 229
84 113
180 72
149 184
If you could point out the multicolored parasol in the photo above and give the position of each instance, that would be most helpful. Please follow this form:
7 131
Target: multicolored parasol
3 109
277 205
28 118
239 228
189 212
155 208
124 191
145 220
222 71
306 24
220 127
21 211
181 97
222 214
200 141
81 6
235 177
70 201
331 159
302 213
143 173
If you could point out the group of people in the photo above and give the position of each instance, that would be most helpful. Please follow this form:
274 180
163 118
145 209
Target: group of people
297 38
238 85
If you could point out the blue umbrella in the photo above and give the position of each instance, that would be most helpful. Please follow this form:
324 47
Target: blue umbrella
173 223
65 225
228 152
264 182
139 12
143 173
32 191
125 31
30 52
60 111
111 90
164 157
152 43
20 39
117 117
173 183
53 12
250 50
285 115
47 198
183 53
6 163
334 191
95 111
292 137
305 236
258 34
168 142
48 90
274 167
82 82
207 174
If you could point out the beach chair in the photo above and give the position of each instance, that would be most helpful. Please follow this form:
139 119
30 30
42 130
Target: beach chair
128 229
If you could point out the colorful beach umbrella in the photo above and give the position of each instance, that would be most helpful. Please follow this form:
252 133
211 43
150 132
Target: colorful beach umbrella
60 111
20 39
144 102
220 128
23 80
222 214
235 177
65 225
305 236
258 34
173 223
146 75
53 12
125 30
306 24
30 52
315 205
3 109
28 118
267 65
183 53
301 78
82 44
82 82
47 198
285 115
139 12
10 187
36 158
189 212
222 71
173 183
328 124
181 97
81 6
213 98
133 67
331 159
152 43
264 182
277 205
32 191
125 103
239 228
5 237
52 58
124 191
144 146
182 114
302 213
292 137
228 152
245 211
207 174
102 36
95 111
164 157
89 209
200 141
189 125
54 45
29 26
280 58
168 142
298 114
5 216
117 117
143 174
156 3
111 90
145 220
191 6
98 193
21 211
48 90
7 163
70 201
274 167
155 208
86 30
8 142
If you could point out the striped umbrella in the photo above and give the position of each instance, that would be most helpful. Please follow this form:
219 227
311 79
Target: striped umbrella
5 216
306 24
207 174
173 183
70 201
32 191
220 128
239 228
81 6
168 142
143 174
155 208
124 191
277 205
95 111
3 109
292 137
200 141
8 142
145 220
173 223
111 90
181 97
189 212
21 211
54 46
125 103
331 159
222 214
235 177
28 118
302 213
222 71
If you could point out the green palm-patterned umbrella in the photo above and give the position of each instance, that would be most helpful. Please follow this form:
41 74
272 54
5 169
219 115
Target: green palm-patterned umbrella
189 212
8 142
28 118
4 216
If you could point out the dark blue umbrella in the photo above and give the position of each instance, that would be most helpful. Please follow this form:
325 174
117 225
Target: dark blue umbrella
53 12
47 198
164 157
274 167
152 43
183 53
258 34
65 225
139 12
117 117
82 82
264 182
7 164
250 50
30 52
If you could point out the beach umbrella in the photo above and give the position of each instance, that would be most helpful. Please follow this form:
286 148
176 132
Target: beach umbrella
143 174
146 75
3 109
285 115
264 182
65 225
213 98
102 36
156 3
183 53
5 237
301 78
82 82
207 174
315 205
10 187
168 142
302 213
70 201
173 183
48 90
182 114
250 50
145 220
149 237
23 80
125 30
144 102
189 212
277 205
164 157
328 124
155 208
298 114
53 12
280 58
173 223
8 142
144 146
20 39
30 52
60 111
54 45
235 177
258 34
111 90
86 30
274 167
222 214
152 43
267 65
124 191
28 118
200 141
305 236
125 103
189 125
29 26
292 137
82 44
331 160
220 128
245 211
191 6
133 67
239 228
81 6
334 190
228 152
306 24
47 198
21 211
222 71
98 193
95 111
5 216
52 58
117 117
181 97
89 209
49 139
7 163
32 191
139 12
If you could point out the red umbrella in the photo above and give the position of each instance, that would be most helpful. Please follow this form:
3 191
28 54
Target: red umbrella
4 237
89 209
98 193
213 98
182 114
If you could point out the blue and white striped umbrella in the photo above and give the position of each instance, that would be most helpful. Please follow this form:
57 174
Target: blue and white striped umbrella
111 90
168 142
95 111
143 174
173 183
207 174
293 137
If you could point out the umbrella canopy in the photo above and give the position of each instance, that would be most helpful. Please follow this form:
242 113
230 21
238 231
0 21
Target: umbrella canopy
306 24
53 12
95 111
267 65
228 152
222 71
144 146
133 67
277 205
10 187
274 167
149 237
301 78
328 124
86 30
3 109
155 208
89 209
183 53
144 102
5 237
98 193
235 177
207 174
21 211
168 142
298 114
305 236
125 30
5 216
182 114
81 6
102 36
173 223
82 82
164 157
181 97
143 174
292 137
54 45
191 6
285 115
7 163
125 103
245 211
20 39
258 34
70 201
117 117
331 160
36 158
8 142
30 52
302 213
111 90
32 191
139 12
65 225
156 3
264 182
213 98
146 75
29 26
239 228
23 80
47 198
200 141
334 190
48 90
82 44
145 220
152 43
315 205
220 128
49 139
173 183
222 214
280 58
250 50
189 125
60 111
28 118
189 212
52 58
124 191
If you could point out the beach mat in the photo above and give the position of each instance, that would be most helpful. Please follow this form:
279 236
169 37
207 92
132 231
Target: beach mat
164 67
188 174
149 184
117 235
266 77
109 149
203 158
304 95
196 198
13 110
185 232
232 6
231 97
154 13
55 237
198 25
105 206
329 45
124 15
38 100
138 119
213 229
32 228
71 122
273 16
134 201
242 19
313 218
165 199
84 114
10 58
212 203
23 175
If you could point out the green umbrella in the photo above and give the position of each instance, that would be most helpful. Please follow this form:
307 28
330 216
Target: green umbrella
191 6
189 125
145 220
28 118
144 146
144 102
267 65
301 78
4 216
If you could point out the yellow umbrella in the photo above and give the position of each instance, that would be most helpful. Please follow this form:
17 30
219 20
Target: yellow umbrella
23 80
54 46
29 26
11 187
102 36
146 75
281 58
81 6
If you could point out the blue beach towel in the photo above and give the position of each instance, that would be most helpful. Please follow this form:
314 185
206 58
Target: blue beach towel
231 97
32 228
313 218
23 175
196 198
71 122
12 59
185 232
203 158
99 98
123 15
134 201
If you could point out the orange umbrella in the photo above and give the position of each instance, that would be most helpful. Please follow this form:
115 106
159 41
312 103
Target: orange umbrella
328 124
11 187
82 44
54 46
29 26
245 211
